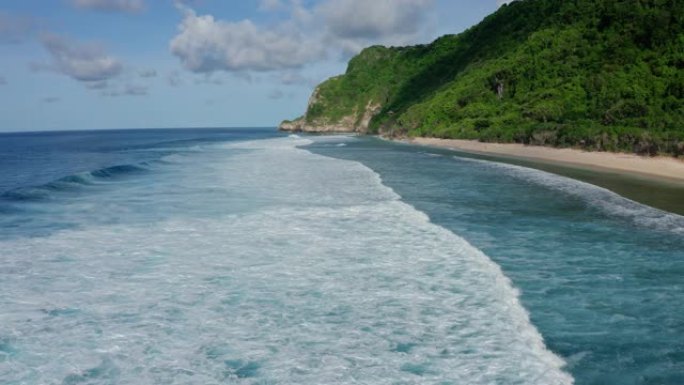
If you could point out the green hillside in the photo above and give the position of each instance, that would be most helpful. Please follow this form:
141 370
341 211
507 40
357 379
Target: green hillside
599 74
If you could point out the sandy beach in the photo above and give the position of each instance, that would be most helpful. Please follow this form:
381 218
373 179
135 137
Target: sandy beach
656 167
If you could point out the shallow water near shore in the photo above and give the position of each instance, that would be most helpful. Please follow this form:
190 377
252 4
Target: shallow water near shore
652 191
600 274
250 257
246 259
661 193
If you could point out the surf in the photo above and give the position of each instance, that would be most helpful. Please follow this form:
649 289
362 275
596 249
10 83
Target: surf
72 182
608 202
325 276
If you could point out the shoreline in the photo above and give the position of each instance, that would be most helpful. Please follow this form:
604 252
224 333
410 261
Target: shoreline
659 168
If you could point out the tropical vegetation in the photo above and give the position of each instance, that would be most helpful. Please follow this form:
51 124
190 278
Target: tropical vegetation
597 74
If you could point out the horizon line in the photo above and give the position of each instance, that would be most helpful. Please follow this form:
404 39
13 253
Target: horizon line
137 128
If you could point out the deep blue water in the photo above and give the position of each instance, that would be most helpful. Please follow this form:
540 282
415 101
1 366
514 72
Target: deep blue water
246 256
39 168
37 158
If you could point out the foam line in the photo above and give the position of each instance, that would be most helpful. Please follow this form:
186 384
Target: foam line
328 278
605 200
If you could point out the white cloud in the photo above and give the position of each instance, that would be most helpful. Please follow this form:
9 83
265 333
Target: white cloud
130 6
300 15
352 25
378 19
83 62
270 5
312 33
502 2
204 44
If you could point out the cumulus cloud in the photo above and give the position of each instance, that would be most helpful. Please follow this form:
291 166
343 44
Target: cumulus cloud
378 19
205 44
270 5
353 25
312 33
83 62
130 6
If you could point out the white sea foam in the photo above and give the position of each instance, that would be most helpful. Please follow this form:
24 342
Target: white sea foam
609 202
329 279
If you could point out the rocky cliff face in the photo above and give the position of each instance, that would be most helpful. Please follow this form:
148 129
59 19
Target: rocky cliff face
358 121
300 125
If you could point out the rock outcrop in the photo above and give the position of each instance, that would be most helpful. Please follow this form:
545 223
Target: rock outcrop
357 122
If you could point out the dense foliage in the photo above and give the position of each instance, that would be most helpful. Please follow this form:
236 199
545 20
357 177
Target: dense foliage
600 74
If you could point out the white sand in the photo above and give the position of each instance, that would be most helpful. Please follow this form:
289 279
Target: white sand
660 166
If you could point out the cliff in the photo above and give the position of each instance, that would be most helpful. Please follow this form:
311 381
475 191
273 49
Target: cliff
604 75
321 117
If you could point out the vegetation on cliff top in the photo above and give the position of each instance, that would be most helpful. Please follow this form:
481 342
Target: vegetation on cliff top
599 74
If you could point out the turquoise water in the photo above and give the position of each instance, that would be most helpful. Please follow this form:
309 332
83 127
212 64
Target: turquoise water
246 256
602 276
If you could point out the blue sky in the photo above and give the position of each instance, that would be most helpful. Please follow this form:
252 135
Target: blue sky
91 64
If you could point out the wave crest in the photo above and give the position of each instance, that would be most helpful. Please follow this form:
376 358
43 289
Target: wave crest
71 183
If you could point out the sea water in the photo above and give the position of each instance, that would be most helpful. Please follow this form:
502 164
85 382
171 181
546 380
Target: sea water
250 257
602 276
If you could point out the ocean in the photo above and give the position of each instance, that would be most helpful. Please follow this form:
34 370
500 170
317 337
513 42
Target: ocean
247 256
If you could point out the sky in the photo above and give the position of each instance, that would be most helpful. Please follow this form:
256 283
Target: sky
95 64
